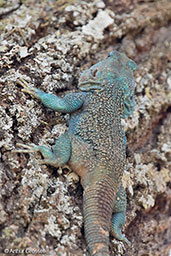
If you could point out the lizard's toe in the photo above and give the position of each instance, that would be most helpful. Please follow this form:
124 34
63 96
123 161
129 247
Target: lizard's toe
25 148
26 87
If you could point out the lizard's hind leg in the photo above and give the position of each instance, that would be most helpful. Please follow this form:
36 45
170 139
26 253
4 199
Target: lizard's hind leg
119 216
58 156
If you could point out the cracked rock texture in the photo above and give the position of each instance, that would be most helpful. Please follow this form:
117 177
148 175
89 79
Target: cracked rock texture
48 43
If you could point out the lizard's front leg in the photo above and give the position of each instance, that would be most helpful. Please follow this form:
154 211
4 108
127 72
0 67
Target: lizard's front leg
58 156
68 104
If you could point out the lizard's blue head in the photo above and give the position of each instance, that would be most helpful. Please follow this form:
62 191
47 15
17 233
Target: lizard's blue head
116 73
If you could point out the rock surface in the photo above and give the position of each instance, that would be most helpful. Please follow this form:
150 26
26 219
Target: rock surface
48 43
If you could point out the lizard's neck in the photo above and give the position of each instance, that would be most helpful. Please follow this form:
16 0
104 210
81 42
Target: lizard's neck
108 103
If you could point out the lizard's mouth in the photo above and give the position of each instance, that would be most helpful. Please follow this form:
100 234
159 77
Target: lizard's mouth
90 86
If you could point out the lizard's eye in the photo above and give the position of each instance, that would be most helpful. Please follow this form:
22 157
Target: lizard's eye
94 72
110 54
113 54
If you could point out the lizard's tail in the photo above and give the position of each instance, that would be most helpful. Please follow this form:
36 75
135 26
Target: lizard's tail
98 205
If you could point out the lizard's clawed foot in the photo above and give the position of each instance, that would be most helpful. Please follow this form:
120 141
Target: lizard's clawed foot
49 157
30 149
26 87
126 241
26 148
118 220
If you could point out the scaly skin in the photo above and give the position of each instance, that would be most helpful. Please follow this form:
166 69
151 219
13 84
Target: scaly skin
94 146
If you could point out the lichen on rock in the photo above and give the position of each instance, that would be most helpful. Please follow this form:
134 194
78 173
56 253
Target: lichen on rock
49 43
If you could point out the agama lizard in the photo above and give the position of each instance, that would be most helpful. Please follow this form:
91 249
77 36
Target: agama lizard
94 145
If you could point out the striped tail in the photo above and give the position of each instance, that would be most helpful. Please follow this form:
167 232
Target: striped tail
98 201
